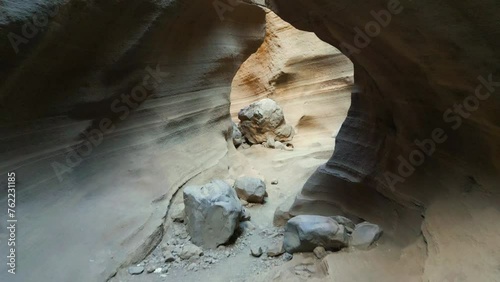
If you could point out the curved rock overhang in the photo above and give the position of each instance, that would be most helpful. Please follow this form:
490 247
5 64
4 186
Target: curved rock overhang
422 134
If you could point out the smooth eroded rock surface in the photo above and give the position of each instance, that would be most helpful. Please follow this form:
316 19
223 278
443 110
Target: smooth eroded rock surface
79 73
365 234
422 133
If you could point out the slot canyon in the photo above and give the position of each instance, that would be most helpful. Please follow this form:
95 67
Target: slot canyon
249 140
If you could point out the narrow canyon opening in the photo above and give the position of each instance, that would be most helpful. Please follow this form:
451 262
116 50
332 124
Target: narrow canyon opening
308 78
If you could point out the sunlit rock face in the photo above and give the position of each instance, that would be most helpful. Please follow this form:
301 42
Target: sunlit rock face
310 79
105 112
422 134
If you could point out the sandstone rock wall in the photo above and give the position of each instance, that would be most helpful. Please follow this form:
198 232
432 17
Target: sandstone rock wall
106 210
409 75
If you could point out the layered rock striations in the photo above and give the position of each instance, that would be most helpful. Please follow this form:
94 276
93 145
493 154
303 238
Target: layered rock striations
310 80
421 139
106 110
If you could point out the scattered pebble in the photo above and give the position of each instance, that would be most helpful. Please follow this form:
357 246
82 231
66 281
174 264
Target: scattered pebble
168 256
287 257
275 250
319 252
192 267
256 251
135 270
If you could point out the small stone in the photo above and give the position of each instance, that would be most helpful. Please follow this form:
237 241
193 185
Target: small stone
243 202
237 136
282 213
256 251
158 270
245 146
168 256
135 270
275 250
178 214
245 215
171 242
192 267
303 233
164 270
250 189
319 252
247 225
287 257
279 146
189 251
274 182
365 234
269 143
209 260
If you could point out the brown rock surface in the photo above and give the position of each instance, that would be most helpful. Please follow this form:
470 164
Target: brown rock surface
408 80
440 223
308 78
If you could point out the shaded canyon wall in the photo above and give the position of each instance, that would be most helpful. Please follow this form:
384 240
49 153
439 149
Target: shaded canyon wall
413 75
105 111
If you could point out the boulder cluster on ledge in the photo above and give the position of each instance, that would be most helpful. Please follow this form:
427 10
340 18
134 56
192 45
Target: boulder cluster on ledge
263 122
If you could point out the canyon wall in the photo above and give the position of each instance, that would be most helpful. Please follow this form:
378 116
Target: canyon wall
107 107
310 79
419 151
